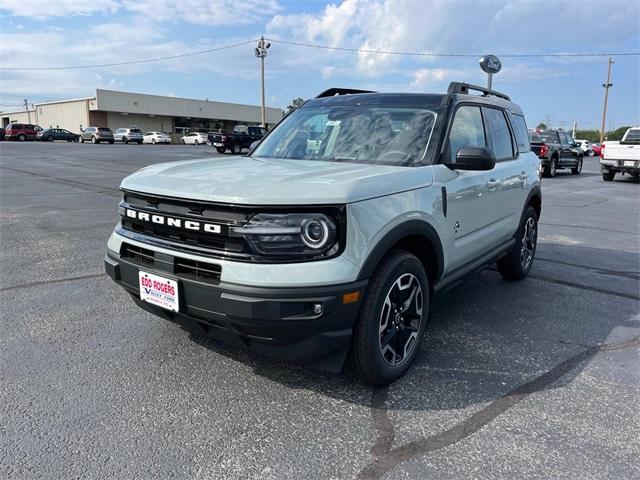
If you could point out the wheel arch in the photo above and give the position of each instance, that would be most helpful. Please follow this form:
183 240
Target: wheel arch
415 236
534 199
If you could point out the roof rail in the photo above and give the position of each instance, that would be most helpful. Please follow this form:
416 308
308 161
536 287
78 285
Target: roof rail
458 87
341 91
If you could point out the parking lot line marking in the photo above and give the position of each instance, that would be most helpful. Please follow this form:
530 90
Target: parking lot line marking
55 280
387 458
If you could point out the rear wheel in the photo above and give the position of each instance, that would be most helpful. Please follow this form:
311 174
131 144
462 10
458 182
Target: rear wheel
94 140
111 142
125 140
50 138
578 168
153 141
517 263
608 175
550 168
196 143
392 320
22 137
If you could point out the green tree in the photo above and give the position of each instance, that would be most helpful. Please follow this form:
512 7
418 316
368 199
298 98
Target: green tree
592 135
541 126
617 134
295 103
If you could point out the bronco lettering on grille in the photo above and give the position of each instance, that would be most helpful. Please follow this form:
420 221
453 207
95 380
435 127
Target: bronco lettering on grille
174 222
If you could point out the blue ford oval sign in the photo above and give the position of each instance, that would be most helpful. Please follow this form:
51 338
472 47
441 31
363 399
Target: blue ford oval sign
490 64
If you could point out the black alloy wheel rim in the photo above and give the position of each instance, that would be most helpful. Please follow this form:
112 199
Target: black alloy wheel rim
528 243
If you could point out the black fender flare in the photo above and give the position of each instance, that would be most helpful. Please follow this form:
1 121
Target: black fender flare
536 191
395 235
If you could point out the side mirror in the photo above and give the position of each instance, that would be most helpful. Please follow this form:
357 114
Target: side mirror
473 158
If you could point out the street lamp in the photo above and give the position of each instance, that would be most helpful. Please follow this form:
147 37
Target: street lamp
261 53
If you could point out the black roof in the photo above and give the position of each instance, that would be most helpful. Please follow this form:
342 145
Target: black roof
345 97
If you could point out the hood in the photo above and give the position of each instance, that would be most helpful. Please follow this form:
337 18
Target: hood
253 181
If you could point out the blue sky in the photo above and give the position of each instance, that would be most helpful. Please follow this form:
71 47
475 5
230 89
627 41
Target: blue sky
560 90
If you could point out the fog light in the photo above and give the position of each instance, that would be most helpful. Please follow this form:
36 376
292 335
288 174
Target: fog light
317 308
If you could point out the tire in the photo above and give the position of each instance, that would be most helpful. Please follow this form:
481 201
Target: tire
94 140
76 139
220 149
22 137
153 141
517 263
578 168
111 142
551 168
182 141
396 279
196 143
608 175
237 149
50 138
81 139
125 140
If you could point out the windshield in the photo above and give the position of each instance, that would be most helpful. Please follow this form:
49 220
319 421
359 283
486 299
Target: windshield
358 134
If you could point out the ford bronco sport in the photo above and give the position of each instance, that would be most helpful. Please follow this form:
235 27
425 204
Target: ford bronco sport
327 242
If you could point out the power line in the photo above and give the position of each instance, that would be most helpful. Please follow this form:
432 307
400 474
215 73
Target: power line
131 62
473 55
324 47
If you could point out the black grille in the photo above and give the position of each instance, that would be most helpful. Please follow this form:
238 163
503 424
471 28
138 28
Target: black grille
139 255
182 267
198 270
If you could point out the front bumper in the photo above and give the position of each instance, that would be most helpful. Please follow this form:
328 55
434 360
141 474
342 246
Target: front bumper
277 322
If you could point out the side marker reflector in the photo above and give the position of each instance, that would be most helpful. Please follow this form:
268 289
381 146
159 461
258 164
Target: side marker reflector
351 297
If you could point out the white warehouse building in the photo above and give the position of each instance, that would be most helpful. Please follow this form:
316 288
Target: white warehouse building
115 109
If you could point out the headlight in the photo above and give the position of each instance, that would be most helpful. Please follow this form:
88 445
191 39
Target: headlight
295 234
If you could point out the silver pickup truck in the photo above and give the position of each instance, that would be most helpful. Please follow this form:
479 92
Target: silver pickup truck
621 157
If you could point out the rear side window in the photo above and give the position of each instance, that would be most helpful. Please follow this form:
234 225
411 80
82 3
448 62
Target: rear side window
499 134
467 130
520 131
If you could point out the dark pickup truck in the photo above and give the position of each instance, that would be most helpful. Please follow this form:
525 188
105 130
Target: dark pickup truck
556 151
242 137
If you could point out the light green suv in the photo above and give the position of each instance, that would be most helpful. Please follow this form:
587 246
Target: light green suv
327 242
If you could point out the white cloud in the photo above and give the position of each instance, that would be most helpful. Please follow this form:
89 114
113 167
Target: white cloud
58 8
208 12
424 79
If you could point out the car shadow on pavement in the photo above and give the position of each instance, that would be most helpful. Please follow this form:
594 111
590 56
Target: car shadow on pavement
486 336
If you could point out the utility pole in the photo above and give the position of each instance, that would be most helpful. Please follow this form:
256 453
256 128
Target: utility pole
26 107
261 53
573 130
606 86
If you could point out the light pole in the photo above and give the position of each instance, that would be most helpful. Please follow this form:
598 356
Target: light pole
261 53
606 86
26 107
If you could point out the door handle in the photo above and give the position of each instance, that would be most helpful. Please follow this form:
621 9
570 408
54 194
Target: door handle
493 183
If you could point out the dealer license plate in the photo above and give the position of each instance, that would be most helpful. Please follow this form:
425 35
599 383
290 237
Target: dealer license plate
159 291
629 164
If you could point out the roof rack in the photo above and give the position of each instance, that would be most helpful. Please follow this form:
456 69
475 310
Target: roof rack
342 91
458 87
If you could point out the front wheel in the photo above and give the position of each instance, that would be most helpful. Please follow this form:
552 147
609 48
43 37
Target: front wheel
50 138
22 137
237 149
94 140
517 263
153 141
220 149
183 142
125 140
578 168
608 175
392 320
196 143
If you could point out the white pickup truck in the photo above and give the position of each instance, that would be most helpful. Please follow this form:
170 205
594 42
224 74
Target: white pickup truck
621 157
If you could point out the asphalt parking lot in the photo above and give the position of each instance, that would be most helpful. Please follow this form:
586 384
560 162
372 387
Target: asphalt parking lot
536 379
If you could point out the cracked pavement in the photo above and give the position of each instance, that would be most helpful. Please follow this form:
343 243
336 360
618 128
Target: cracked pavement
536 379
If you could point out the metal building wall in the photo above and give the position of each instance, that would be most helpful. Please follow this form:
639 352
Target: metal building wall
70 115
143 122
